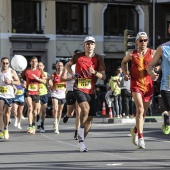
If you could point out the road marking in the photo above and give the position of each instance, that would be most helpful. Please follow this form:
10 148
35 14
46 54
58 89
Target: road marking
115 164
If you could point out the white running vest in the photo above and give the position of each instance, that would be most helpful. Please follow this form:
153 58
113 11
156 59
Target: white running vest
6 91
70 84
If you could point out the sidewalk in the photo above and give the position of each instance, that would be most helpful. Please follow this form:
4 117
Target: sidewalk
148 119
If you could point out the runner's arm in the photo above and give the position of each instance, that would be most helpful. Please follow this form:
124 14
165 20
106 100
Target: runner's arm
124 62
151 65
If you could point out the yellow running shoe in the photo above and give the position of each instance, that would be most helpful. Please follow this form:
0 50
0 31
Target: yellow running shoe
166 129
1 135
6 134
29 130
33 130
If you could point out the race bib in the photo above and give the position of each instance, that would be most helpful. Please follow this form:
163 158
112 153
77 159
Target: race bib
84 83
33 87
3 89
60 86
19 92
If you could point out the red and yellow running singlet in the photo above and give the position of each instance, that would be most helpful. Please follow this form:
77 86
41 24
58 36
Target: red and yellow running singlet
57 84
139 76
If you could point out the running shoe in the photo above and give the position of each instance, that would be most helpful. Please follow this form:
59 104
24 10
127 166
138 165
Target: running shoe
39 124
82 146
134 136
6 134
81 134
166 129
55 127
31 130
76 135
16 122
65 119
42 130
19 126
141 143
1 135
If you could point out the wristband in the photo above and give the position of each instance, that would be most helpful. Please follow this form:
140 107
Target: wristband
95 73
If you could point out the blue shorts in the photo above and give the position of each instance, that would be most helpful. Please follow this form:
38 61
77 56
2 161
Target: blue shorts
44 99
7 101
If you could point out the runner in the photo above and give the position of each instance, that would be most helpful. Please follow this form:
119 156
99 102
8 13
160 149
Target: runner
33 78
163 53
70 98
89 67
57 94
8 78
43 92
19 101
141 84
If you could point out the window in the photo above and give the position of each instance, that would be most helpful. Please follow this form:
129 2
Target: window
118 18
71 18
26 16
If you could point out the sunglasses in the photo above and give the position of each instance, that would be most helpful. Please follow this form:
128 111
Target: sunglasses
5 63
144 40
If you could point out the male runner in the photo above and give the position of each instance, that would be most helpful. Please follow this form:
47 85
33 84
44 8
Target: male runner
89 67
8 78
33 78
141 84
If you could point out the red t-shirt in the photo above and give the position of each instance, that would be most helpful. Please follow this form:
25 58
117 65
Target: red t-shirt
139 76
32 83
86 80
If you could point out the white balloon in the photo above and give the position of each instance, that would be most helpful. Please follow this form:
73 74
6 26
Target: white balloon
19 63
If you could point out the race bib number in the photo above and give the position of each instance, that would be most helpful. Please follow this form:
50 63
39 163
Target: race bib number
3 89
60 86
33 87
19 92
84 83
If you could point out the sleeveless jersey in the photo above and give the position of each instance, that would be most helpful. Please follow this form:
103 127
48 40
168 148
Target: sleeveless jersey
19 97
70 83
139 76
165 81
43 87
6 90
59 87
32 83
86 80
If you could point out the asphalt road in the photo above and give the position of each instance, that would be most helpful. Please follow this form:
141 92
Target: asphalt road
109 147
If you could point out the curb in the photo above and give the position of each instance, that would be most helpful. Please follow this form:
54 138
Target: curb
148 119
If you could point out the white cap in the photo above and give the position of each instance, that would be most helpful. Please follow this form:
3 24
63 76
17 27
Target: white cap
89 38
140 34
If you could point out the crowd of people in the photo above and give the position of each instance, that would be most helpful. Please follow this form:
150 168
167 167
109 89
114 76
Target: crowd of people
74 85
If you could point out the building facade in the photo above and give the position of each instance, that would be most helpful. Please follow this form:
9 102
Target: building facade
54 29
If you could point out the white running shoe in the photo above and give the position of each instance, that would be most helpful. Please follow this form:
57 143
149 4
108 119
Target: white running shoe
82 146
16 122
134 137
55 127
19 126
81 134
141 143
